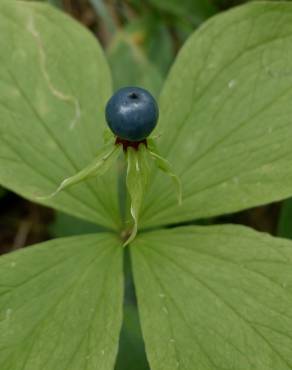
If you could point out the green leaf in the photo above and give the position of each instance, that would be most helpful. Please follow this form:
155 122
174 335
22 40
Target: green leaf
216 297
130 65
54 84
138 172
61 305
225 117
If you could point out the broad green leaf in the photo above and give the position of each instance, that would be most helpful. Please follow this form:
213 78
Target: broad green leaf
54 83
61 305
137 179
130 65
216 297
225 117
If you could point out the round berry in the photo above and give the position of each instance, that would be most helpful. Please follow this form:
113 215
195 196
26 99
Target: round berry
132 113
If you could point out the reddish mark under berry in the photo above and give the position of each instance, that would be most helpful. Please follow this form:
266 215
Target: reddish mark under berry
132 144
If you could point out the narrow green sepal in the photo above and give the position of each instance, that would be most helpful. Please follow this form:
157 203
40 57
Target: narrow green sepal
138 173
104 160
165 166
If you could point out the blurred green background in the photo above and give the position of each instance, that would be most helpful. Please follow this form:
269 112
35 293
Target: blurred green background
141 40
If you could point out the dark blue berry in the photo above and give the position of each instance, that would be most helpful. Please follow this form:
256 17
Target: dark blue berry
132 113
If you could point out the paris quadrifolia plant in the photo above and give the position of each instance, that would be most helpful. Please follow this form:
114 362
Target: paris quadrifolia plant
209 297
131 114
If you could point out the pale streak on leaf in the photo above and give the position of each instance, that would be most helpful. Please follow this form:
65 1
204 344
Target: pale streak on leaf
165 166
109 154
43 64
53 152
